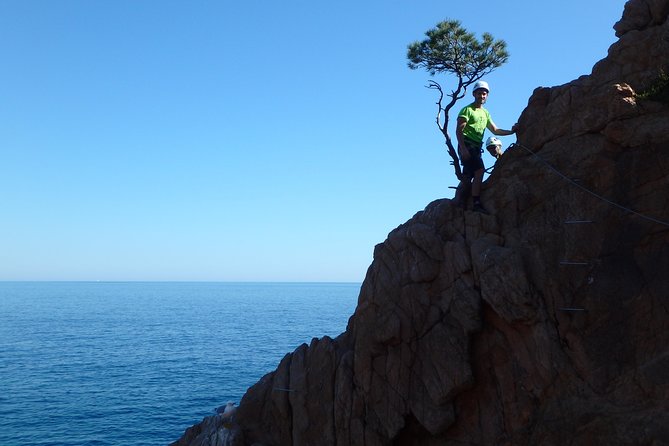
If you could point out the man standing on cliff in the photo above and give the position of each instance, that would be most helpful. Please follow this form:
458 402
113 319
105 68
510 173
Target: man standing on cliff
472 122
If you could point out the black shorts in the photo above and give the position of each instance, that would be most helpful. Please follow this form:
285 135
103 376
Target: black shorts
475 161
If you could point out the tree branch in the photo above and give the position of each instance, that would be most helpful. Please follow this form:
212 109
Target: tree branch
444 128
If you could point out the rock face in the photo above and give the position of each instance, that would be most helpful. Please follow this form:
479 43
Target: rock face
545 322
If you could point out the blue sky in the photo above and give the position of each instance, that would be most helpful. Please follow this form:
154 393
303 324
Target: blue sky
241 141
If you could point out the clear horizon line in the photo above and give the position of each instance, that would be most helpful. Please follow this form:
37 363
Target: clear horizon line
172 281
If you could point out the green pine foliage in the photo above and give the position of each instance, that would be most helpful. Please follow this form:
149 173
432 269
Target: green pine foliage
658 90
450 48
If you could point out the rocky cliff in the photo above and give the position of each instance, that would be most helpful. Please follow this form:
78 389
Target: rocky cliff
545 322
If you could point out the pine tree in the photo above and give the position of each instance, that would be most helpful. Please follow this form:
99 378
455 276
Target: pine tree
449 48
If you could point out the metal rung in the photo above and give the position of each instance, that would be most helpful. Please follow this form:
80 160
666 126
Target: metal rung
566 262
574 222
572 309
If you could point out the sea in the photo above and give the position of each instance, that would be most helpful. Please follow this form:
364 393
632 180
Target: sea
136 363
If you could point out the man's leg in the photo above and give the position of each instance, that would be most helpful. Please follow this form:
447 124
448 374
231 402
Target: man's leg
476 185
476 191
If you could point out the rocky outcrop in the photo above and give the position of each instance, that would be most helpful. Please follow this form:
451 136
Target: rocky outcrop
542 323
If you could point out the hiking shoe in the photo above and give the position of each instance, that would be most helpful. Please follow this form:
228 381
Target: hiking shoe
478 207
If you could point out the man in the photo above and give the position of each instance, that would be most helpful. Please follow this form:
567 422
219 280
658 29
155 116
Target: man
494 147
471 124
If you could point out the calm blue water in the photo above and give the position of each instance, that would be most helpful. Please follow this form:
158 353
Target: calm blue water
101 364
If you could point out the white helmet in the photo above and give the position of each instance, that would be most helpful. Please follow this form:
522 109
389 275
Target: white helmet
492 141
494 147
481 84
